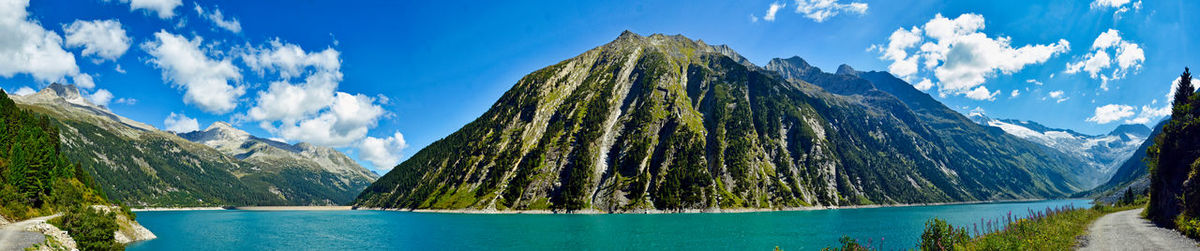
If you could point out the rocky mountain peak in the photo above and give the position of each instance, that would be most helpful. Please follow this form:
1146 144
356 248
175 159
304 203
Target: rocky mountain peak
846 70
1138 130
68 93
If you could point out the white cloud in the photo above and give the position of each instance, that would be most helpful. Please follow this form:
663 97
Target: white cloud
1034 81
24 90
126 101
1099 63
1058 96
924 85
1148 113
286 101
1109 113
83 80
312 110
206 81
181 123
164 8
820 10
770 16
344 122
104 39
1015 93
753 19
898 44
27 47
383 153
100 97
218 19
1118 4
960 55
982 93
1109 3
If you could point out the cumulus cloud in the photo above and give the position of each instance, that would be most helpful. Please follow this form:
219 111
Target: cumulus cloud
24 90
821 10
181 123
774 8
1015 93
345 121
83 80
1058 96
217 18
100 97
1099 64
982 93
104 39
383 153
206 81
924 85
26 47
1109 3
960 55
1119 5
1111 112
164 8
1148 113
304 103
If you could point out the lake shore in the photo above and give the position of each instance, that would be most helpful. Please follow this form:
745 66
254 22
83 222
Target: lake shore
707 210
246 208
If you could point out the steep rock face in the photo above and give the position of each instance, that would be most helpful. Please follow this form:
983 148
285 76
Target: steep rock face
1102 154
140 165
667 123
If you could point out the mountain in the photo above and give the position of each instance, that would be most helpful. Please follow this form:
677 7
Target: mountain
139 165
668 123
1103 154
1132 173
341 179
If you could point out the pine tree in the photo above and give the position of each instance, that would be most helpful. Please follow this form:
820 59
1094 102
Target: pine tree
1183 92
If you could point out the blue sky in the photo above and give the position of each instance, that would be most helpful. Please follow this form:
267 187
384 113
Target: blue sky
372 69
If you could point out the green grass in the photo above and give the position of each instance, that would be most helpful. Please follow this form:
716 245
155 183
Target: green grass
1050 230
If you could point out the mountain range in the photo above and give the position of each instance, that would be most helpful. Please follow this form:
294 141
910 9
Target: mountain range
660 122
139 165
1103 154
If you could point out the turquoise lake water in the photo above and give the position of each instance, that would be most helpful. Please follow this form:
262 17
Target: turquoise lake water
897 227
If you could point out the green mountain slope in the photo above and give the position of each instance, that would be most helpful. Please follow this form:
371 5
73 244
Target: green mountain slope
668 123
141 166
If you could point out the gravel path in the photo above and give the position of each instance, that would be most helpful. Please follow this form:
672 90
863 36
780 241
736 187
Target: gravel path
15 236
1126 230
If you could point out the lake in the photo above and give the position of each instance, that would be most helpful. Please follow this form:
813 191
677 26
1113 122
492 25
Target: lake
897 227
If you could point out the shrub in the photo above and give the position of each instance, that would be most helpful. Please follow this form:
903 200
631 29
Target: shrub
91 229
939 235
848 244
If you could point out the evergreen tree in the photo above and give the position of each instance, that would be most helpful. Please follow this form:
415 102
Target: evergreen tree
1183 93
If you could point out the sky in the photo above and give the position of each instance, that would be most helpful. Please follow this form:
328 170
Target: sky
379 80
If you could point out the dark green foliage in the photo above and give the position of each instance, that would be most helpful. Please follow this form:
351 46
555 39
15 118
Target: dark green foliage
35 178
940 235
1183 92
1174 186
38 180
848 244
91 228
